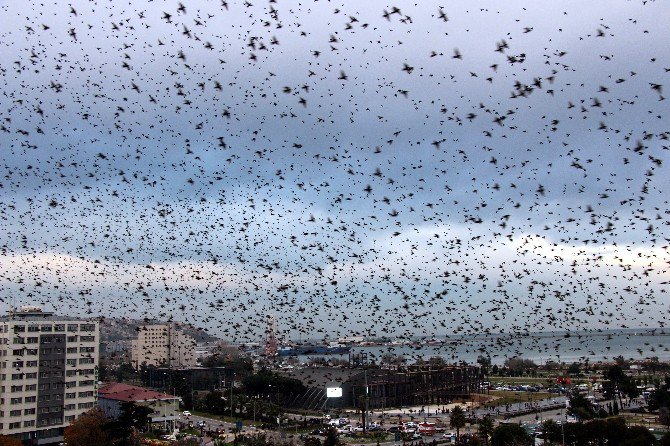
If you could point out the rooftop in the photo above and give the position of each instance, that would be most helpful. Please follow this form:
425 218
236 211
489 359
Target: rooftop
40 316
128 393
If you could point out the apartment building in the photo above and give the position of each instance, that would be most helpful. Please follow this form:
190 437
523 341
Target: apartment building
163 346
48 373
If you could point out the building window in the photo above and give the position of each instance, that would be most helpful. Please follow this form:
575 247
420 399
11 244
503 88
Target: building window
46 328
15 400
15 425
30 411
15 413
59 327
29 423
88 327
72 328
31 399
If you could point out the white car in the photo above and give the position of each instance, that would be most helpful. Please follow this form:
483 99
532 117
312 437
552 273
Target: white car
450 436
186 413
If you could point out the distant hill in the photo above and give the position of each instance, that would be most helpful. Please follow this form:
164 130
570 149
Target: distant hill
112 329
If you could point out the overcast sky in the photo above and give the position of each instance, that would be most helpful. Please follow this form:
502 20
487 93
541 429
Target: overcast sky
350 167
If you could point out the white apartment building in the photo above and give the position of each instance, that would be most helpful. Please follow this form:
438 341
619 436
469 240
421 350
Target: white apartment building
48 373
163 346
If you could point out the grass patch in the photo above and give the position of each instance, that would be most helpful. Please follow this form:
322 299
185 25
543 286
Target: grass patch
504 397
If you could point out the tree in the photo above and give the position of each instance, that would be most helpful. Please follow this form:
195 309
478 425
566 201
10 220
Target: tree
133 419
332 438
214 402
518 366
457 420
664 417
617 382
9 441
660 397
88 429
485 428
580 407
311 441
551 432
240 365
510 434
485 363
573 369
638 435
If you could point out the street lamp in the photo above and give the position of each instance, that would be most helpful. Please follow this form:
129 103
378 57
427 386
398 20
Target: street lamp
562 425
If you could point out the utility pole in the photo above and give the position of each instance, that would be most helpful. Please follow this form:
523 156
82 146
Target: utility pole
562 428
365 406
231 398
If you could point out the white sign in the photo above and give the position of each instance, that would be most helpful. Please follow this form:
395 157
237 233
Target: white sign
333 392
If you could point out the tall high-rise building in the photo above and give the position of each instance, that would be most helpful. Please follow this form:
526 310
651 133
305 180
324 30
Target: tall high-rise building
164 346
48 373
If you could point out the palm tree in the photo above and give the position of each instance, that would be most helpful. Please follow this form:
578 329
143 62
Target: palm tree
457 420
485 428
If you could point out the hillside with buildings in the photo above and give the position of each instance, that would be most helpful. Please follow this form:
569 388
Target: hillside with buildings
116 329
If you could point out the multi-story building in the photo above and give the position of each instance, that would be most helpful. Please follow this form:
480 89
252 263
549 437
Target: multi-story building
164 408
163 345
48 373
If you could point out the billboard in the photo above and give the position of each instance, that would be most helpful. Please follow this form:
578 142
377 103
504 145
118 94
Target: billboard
333 392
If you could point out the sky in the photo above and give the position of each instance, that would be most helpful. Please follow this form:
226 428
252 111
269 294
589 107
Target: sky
350 167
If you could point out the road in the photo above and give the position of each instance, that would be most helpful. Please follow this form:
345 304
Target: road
523 413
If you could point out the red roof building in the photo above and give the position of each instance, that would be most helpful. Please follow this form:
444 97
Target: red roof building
165 407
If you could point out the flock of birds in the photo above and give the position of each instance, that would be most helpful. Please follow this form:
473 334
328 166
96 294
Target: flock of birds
352 168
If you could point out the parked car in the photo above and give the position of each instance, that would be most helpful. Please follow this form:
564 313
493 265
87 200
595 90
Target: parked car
450 437
186 413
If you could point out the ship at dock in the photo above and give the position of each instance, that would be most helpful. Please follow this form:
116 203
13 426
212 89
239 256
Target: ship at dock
301 349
